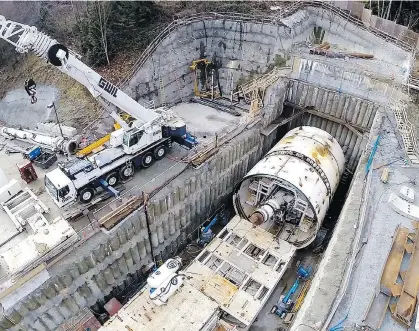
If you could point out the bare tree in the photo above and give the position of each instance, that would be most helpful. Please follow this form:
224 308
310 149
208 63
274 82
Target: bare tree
388 9
398 12
80 14
103 10
413 19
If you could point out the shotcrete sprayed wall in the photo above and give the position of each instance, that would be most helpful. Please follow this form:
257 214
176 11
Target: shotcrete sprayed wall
245 49
370 79
107 263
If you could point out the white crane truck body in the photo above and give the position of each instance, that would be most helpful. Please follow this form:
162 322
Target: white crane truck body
81 178
147 139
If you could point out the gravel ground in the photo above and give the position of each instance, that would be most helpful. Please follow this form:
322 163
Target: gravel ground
377 234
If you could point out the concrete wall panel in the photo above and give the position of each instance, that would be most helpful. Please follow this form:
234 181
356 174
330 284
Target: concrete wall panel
176 212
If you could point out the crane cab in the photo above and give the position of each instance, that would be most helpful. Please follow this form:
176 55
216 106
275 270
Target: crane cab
60 188
137 139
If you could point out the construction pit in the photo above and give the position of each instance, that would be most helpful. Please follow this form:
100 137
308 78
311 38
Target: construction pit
270 83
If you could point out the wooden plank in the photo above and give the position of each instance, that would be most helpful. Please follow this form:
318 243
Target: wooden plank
409 248
392 308
396 290
384 175
377 311
388 287
115 216
22 280
394 260
406 304
411 285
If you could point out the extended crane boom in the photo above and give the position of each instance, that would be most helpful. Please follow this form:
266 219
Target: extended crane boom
27 38
148 138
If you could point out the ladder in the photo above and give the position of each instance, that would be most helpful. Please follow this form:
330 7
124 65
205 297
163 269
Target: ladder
230 84
263 189
253 92
301 205
259 189
162 94
300 299
405 129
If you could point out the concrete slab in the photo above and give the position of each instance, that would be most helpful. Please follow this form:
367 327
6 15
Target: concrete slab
204 121
403 207
407 194
176 315
381 222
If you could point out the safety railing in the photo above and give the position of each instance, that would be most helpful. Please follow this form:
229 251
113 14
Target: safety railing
406 129
274 19
179 22
413 79
346 14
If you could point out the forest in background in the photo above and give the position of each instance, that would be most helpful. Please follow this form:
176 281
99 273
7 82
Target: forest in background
102 30
402 12
118 31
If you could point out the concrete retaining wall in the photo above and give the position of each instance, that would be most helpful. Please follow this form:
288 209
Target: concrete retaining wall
106 263
326 285
356 112
249 48
368 79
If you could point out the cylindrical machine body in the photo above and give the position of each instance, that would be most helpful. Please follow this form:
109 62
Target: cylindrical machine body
165 281
161 294
166 271
55 143
293 184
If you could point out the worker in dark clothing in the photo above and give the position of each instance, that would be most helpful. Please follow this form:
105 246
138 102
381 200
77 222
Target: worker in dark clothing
30 88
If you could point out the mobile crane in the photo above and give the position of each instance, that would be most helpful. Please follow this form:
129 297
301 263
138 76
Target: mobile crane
148 138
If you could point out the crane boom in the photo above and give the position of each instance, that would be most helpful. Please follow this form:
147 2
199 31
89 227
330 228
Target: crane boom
27 38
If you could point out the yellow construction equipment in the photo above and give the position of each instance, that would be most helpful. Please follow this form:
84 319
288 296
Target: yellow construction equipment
126 117
301 296
90 148
210 88
253 92
196 62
